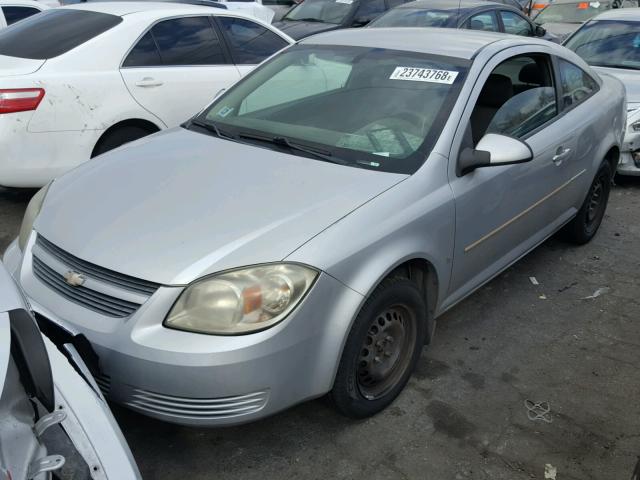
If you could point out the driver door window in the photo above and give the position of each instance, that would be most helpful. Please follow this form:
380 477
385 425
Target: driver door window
486 21
515 24
518 97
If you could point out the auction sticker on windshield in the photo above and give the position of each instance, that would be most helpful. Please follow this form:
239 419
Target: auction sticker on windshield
424 75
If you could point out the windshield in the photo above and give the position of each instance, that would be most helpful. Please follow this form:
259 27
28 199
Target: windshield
608 43
415 17
325 11
364 107
578 12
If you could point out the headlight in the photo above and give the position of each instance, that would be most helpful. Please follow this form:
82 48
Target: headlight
30 214
635 126
241 301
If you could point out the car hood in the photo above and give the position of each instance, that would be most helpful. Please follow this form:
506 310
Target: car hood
299 30
630 79
180 204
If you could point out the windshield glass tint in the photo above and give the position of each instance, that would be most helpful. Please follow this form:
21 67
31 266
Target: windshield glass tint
326 11
414 17
53 32
571 12
608 43
374 108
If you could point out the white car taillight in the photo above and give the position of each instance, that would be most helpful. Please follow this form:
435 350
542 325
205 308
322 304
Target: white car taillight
20 99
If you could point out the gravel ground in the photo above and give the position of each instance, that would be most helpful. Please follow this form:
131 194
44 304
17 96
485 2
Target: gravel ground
463 415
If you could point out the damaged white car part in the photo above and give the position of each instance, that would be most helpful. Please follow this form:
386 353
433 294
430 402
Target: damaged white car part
52 417
78 81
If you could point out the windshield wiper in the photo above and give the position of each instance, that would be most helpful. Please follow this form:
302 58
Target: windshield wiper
310 19
284 142
211 127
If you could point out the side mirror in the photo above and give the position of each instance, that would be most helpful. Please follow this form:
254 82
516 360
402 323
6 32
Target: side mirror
494 150
540 31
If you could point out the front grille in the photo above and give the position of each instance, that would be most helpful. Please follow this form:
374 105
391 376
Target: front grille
98 302
46 256
104 382
107 276
197 408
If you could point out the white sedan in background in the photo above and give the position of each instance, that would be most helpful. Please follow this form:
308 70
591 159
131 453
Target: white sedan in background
78 81
12 11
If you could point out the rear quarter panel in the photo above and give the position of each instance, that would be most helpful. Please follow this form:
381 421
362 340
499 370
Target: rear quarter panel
606 116
84 89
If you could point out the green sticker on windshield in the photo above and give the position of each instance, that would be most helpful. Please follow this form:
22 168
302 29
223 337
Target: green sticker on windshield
224 111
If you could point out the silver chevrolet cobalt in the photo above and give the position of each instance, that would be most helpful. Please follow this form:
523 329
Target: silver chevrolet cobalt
300 236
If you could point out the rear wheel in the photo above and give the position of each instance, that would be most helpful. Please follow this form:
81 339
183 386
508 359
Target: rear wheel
119 137
586 223
382 349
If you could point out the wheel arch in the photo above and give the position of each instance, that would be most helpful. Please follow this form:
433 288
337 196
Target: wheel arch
424 273
416 268
131 122
613 157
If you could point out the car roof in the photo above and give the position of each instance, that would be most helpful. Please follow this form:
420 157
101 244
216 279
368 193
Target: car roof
436 41
127 8
449 4
620 14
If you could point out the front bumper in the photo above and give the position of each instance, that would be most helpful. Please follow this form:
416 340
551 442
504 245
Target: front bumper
627 164
197 379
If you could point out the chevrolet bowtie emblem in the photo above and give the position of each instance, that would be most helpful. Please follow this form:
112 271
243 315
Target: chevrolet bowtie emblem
74 279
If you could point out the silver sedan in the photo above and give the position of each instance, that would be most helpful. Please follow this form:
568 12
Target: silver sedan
300 236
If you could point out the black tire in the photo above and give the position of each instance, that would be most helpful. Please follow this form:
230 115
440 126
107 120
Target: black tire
395 313
119 137
584 226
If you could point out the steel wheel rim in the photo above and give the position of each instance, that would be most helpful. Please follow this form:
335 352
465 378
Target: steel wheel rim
596 202
386 351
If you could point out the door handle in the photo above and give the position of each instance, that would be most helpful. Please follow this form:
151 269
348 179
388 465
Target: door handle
147 82
560 155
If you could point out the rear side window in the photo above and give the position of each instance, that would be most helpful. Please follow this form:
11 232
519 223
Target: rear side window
53 33
250 42
515 24
576 84
484 21
15 14
188 41
144 54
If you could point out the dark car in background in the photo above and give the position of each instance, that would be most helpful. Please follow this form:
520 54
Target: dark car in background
467 14
315 16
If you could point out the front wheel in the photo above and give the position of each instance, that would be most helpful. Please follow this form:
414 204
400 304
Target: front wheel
382 349
586 223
